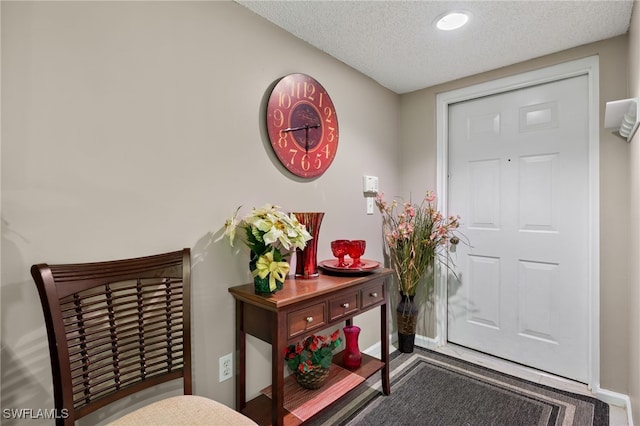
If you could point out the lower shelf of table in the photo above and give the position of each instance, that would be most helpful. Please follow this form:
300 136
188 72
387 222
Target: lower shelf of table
301 404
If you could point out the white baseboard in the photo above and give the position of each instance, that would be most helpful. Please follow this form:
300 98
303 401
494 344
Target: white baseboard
376 349
617 399
426 342
421 341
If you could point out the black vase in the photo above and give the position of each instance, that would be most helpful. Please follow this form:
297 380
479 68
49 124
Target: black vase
407 318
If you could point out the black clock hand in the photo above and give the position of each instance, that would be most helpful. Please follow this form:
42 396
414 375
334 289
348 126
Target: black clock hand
307 127
306 140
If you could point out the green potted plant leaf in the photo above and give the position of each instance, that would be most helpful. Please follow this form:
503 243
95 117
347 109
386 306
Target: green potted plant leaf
310 359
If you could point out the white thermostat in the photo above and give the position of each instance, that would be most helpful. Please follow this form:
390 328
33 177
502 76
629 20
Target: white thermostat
370 184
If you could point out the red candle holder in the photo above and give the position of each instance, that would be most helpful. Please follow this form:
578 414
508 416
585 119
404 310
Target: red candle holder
356 250
339 248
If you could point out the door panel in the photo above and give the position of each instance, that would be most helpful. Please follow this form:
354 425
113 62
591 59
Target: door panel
518 176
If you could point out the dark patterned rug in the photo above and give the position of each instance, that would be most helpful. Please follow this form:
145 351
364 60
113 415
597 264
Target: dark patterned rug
428 388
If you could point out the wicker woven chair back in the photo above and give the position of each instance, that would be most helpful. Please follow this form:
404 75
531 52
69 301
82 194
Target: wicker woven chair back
115 328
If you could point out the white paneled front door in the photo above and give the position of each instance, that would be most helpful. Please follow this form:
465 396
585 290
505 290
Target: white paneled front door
519 178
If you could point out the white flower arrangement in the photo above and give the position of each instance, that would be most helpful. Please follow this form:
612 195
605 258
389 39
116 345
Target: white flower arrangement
270 235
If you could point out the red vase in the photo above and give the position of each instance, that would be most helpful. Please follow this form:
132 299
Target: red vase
351 358
307 259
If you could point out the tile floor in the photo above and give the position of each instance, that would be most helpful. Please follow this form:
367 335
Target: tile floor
617 415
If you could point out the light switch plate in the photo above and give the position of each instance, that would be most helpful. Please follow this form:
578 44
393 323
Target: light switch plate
370 205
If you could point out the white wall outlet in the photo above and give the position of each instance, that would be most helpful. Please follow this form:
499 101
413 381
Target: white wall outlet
226 367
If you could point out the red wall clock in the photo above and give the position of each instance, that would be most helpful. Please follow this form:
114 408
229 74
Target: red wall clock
302 125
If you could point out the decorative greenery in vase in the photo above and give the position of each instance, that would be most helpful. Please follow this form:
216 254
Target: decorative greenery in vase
312 353
416 235
271 236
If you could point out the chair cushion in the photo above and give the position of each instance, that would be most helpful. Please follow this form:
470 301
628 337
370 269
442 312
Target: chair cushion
184 410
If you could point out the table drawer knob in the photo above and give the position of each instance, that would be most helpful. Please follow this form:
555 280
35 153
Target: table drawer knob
374 294
345 305
309 319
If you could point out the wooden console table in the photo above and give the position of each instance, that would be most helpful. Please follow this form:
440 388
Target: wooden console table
301 308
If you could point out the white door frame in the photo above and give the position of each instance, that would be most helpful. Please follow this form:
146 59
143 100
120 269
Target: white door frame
587 66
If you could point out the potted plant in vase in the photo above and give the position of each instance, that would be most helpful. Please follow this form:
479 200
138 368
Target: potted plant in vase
271 236
310 359
415 236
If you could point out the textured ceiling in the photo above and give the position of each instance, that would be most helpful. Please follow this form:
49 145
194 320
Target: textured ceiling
396 44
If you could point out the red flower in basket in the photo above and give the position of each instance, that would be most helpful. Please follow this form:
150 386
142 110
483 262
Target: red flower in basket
314 352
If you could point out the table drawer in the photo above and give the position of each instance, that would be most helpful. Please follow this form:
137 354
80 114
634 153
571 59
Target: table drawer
304 320
372 294
344 305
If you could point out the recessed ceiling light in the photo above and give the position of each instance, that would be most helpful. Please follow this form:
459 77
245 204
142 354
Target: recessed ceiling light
452 21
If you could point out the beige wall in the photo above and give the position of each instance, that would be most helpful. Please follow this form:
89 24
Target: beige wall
418 160
634 225
133 128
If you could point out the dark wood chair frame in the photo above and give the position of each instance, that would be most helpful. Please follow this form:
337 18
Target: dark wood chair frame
115 328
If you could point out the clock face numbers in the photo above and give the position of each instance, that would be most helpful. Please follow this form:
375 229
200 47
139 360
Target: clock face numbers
302 125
